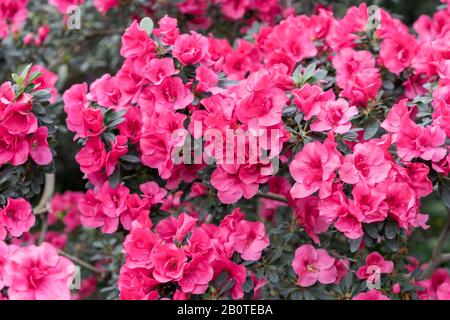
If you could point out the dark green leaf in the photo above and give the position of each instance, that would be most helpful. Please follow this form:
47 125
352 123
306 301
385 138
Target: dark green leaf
371 230
370 129
354 244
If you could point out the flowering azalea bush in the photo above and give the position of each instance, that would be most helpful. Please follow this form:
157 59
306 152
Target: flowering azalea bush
291 159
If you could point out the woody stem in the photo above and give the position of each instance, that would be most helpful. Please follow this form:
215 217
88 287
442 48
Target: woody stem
272 196
47 195
82 263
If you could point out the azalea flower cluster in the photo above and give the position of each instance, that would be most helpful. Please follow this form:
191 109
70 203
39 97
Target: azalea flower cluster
12 15
192 255
21 135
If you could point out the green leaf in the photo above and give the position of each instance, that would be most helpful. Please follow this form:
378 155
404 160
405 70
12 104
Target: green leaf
25 71
370 129
388 85
289 110
444 192
38 109
114 179
390 230
308 295
369 241
297 75
297 295
115 122
131 158
354 244
348 281
42 95
147 24
309 72
248 285
320 74
228 285
392 244
371 230
34 76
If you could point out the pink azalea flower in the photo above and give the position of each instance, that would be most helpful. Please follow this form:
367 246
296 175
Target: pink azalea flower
176 228
171 93
138 246
403 206
137 284
310 99
357 75
335 116
14 13
5 251
160 138
17 117
398 51
136 207
158 70
136 42
39 149
260 104
418 141
38 273
132 126
396 113
16 217
152 192
372 294
14 149
109 92
92 156
249 239
308 217
367 162
190 48
207 79
230 185
113 200
81 119
313 169
197 275
233 271
335 209
443 291
118 149
313 265
103 207
169 262
375 263
167 31
369 202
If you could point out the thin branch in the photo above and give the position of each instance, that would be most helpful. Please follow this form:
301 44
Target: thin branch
44 229
438 257
445 257
82 263
47 195
272 196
